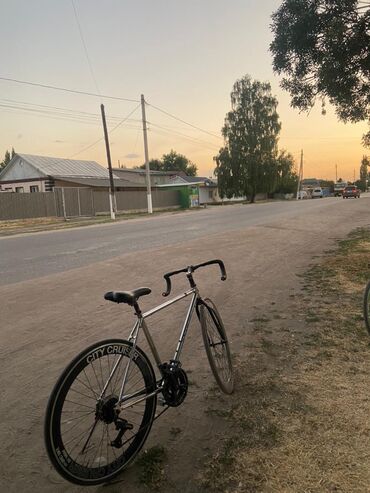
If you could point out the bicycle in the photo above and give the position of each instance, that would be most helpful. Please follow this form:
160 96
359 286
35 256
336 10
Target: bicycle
367 306
102 408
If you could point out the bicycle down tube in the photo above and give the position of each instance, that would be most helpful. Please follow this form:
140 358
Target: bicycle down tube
142 324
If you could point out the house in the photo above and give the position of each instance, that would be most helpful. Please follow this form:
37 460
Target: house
29 173
138 175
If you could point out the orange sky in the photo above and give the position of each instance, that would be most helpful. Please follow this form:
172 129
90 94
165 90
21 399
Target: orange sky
184 57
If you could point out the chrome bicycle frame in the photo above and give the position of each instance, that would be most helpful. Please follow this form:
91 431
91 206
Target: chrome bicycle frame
133 337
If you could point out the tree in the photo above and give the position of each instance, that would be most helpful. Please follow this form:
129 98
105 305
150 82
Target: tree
154 165
7 158
246 164
323 49
364 173
287 179
173 161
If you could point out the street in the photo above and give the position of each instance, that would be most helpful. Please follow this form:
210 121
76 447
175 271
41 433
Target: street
35 255
51 294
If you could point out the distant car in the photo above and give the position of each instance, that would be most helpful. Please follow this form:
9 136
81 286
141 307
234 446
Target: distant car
302 194
317 193
351 191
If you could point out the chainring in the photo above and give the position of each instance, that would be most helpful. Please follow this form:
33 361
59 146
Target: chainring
175 386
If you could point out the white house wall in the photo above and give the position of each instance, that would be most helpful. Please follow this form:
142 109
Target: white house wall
11 187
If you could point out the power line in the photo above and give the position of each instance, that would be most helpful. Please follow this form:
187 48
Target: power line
188 137
61 110
76 118
85 48
56 88
183 121
110 132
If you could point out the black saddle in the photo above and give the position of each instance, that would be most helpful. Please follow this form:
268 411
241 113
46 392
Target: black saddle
129 297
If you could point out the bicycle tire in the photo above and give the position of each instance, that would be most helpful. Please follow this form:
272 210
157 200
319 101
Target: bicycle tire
214 338
96 462
367 307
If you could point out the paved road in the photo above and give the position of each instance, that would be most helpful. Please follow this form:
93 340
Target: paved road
39 254
58 309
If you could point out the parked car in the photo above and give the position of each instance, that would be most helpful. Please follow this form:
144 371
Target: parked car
302 194
351 191
317 193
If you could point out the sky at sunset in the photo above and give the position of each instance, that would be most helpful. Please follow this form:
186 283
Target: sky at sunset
183 56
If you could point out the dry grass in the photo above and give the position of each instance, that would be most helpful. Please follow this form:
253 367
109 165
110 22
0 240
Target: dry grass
32 225
302 424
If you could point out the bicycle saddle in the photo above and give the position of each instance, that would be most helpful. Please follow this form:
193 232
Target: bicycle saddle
129 297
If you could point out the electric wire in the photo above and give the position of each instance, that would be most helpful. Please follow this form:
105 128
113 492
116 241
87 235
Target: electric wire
183 121
188 137
85 48
109 132
61 110
56 88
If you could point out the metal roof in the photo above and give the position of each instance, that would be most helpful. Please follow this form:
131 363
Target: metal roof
55 167
101 182
152 172
199 179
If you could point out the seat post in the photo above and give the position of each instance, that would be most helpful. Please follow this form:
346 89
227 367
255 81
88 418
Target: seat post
137 309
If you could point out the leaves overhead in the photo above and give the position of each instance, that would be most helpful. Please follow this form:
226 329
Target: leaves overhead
322 49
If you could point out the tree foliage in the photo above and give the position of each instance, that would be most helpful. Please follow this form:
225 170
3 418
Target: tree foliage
364 172
8 156
246 165
286 179
173 161
322 47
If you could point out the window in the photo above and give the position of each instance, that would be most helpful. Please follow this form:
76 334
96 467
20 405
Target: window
19 189
34 188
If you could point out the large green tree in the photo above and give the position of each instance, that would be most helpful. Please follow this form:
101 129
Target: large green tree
322 48
173 161
246 164
8 156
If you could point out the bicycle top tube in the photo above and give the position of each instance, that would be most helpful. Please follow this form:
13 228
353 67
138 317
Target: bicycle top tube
189 271
170 302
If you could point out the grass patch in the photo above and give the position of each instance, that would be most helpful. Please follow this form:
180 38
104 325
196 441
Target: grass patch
300 413
151 468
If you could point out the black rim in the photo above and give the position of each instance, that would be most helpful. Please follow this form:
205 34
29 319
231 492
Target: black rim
217 347
367 307
80 427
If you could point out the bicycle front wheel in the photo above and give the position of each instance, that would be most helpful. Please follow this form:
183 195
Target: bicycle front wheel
216 345
87 441
367 306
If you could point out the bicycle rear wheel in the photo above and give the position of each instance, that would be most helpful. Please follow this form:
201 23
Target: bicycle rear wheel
85 441
216 346
367 306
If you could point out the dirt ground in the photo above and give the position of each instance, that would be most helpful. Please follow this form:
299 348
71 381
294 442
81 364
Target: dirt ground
45 322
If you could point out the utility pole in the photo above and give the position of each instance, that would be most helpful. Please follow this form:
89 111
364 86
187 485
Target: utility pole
148 187
354 176
336 173
112 197
300 175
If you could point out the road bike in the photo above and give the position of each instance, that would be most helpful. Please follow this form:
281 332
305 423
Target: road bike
101 409
367 306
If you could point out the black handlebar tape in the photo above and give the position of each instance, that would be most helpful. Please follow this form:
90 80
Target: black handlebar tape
168 286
